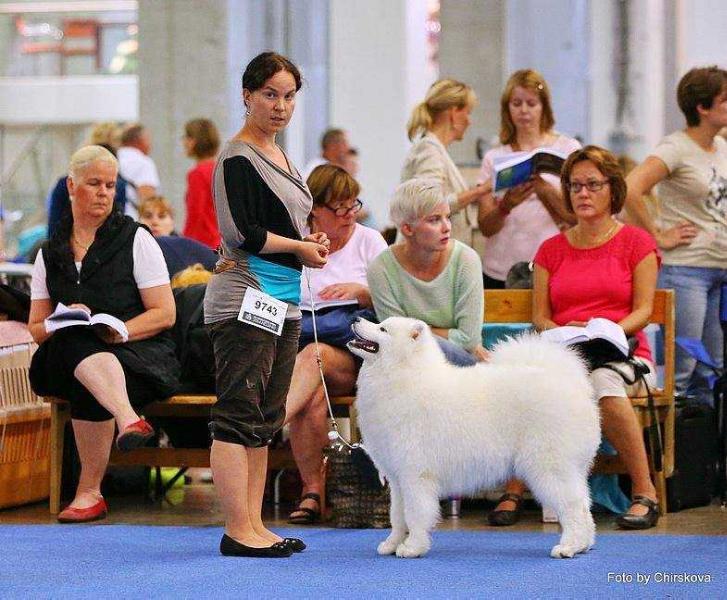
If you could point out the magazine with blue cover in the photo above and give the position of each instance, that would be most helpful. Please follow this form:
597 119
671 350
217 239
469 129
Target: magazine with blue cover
516 168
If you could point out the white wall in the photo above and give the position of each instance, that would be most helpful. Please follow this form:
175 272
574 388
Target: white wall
704 31
376 66
551 36
62 100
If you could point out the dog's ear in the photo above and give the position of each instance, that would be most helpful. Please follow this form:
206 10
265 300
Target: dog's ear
417 330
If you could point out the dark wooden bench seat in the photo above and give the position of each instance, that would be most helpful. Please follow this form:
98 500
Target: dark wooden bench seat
182 406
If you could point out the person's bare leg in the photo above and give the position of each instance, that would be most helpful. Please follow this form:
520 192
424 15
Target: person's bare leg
93 440
103 376
230 466
308 436
257 470
514 486
305 380
309 425
621 427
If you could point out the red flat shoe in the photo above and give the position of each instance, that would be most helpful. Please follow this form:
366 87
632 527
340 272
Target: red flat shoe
134 436
84 515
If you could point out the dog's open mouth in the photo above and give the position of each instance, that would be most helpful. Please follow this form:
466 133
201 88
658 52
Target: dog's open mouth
363 344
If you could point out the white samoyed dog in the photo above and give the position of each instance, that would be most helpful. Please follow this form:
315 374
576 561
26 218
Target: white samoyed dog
436 430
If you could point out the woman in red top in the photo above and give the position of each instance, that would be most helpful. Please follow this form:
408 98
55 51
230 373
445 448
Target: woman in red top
201 141
599 268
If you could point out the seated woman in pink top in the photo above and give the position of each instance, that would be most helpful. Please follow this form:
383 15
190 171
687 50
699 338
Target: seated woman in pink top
515 224
600 268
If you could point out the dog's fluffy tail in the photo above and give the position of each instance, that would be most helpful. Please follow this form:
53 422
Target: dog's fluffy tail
529 349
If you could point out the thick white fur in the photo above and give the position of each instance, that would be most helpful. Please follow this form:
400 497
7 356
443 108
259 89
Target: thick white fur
435 430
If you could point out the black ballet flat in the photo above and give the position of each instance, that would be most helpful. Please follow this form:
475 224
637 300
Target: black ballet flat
505 518
295 544
627 521
231 547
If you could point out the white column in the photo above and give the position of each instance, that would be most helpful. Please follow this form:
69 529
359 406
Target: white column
647 76
376 61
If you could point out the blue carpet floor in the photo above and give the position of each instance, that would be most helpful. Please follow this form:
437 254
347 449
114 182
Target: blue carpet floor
123 561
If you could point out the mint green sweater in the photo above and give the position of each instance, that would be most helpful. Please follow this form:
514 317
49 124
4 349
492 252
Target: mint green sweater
453 300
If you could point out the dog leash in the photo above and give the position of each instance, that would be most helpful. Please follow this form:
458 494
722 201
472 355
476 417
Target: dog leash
334 434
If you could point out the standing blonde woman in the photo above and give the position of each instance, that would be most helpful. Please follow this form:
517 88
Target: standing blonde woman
442 118
528 214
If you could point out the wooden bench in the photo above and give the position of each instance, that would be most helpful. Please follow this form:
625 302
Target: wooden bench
515 306
501 306
183 406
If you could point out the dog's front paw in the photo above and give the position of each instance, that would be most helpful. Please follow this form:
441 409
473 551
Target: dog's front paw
388 546
409 549
563 551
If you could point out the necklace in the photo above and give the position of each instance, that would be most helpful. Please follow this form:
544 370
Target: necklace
84 246
600 239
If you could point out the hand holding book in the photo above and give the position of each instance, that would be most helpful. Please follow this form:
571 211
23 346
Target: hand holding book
109 328
519 167
516 195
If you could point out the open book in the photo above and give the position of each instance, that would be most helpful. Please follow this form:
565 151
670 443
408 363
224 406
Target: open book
516 168
323 304
596 328
68 317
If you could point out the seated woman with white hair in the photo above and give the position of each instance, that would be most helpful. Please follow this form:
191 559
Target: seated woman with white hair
100 261
430 276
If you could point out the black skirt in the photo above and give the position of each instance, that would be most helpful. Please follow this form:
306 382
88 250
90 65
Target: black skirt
150 367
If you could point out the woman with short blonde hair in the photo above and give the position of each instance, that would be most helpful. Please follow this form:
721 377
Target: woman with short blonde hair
430 276
100 261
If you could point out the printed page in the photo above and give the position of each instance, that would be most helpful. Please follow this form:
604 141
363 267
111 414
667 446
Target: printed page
63 313
568 334
113 322
608 330
548 162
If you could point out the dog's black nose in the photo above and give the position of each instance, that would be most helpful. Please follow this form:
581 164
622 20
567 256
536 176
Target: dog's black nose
356 319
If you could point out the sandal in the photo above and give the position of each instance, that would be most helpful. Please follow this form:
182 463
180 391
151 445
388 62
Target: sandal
505 518
309 515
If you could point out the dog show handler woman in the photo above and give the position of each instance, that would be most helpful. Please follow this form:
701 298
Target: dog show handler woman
251 305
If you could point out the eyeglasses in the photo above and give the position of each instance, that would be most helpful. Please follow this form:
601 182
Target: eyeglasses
592 186
342 211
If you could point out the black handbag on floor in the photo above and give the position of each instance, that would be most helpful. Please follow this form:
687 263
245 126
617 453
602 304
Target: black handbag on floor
695 456
358 500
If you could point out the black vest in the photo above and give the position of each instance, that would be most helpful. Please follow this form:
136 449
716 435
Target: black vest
106 283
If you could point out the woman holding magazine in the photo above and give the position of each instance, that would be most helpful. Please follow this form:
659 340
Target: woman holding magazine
599 268
514 225
100 261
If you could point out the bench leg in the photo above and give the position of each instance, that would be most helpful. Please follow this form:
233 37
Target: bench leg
60 415
660 484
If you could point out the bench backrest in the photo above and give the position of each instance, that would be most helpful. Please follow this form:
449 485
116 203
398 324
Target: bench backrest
516 306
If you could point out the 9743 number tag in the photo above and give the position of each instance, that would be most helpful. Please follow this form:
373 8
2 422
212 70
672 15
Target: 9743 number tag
263 311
